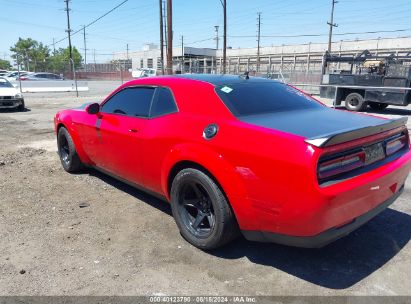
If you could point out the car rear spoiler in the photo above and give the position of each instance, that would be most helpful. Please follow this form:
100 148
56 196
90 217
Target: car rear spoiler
330 139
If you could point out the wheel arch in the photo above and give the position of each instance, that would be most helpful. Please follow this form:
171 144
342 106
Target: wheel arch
76 140
218 169
348 91
185 164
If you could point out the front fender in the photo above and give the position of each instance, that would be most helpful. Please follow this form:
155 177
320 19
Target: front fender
67 122
227 175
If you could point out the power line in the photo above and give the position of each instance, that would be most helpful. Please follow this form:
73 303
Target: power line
320 35
94 21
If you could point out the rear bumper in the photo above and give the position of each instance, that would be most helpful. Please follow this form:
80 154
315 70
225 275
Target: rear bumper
325 237
11 103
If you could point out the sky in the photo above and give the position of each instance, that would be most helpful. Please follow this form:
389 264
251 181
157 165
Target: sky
136 22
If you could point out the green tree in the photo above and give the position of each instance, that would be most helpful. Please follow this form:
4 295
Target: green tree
39 56
31 54
60 60
5 64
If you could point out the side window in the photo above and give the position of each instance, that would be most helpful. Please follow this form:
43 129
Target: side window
131 102
163 103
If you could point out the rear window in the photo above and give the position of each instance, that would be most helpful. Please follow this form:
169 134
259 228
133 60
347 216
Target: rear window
244 99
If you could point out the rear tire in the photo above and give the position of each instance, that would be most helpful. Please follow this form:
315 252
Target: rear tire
21 107
355 102
378 106
67 152
201 211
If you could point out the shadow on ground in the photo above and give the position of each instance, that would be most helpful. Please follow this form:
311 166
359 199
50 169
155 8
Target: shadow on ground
388 111
11 110
391 111
337 266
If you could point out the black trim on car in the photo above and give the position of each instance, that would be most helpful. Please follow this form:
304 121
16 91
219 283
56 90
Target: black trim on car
324 238
341 137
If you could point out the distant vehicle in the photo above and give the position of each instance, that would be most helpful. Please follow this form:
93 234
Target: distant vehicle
143 73
3 72
367 80
13 75
279 76
10 97
41 76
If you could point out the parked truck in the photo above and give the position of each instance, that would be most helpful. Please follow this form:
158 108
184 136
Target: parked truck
366 80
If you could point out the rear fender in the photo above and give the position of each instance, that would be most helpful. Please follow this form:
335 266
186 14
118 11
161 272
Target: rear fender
225 174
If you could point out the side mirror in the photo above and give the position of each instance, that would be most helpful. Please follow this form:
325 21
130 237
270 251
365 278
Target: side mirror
93 108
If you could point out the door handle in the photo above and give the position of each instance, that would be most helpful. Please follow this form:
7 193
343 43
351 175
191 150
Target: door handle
133 130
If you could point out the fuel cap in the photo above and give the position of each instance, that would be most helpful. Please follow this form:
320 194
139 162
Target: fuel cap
210 131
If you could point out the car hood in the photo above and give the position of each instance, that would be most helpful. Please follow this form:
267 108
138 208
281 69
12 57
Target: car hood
310 123
8 91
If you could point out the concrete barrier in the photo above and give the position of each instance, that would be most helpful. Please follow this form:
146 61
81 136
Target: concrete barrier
51 86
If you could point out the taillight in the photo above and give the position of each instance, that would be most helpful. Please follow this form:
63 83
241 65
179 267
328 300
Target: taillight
23 78
396 144
341 164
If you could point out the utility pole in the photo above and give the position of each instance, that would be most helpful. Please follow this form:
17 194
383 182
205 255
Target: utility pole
161 37
126 64
169 37
217 39
67 9
331 24
94 57
165 26
182 54
54 46
258 40
85 48
224 4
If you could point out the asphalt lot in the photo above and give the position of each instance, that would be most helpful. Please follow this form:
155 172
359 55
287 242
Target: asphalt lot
125 242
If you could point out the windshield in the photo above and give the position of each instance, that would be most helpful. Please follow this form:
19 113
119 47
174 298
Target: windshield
252 98
5 84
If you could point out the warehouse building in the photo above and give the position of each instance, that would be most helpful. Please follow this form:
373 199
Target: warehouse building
280 58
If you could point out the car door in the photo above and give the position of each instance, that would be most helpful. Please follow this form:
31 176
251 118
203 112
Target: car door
121 123
158 137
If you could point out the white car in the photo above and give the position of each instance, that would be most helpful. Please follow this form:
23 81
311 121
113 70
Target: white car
14 75
143 73
10 97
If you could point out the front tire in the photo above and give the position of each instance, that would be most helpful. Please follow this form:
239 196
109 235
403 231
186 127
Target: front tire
355 102
67 152
21 107
201 211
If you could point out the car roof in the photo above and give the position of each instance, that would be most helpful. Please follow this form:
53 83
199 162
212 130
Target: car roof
221 79
43 73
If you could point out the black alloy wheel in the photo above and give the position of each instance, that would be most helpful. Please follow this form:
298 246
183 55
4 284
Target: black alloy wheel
201 211
196 210
67 151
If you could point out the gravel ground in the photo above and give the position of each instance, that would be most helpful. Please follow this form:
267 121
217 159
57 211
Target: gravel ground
124 242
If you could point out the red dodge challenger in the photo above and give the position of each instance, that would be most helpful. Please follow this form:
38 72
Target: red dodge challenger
237 154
